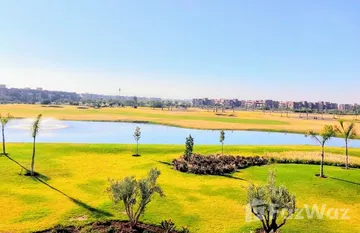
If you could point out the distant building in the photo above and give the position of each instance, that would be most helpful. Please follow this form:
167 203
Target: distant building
345 107
28 95
269 104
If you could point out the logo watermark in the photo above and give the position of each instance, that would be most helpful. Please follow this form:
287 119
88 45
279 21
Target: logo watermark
306 212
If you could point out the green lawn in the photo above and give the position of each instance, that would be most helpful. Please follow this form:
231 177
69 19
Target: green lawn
76 180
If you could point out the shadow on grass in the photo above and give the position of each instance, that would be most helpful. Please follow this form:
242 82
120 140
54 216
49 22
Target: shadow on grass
346 181
166 163
94 210
233 177
7 156
39 177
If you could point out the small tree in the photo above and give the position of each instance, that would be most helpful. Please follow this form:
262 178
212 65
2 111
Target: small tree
222 139
137 136
135 195
347 133
4 121
189 146
271 203
325 135
34 130
135 101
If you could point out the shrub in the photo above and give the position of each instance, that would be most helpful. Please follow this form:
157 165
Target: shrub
189 146
271 203
60 229
184 230
134 194
168 226
216 164
310 161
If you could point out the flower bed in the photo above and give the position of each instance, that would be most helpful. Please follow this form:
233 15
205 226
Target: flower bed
216 164
110 226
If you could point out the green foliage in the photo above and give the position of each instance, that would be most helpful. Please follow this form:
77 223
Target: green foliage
184 230
157 104
4 121
347 133
309 161
36 126
325 135
216 164
60 229
222 139
271 203
168 226
137 136
46 101
135 195
189 147
222 136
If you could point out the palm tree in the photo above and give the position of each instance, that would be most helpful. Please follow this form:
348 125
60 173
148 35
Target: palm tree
4 120
326 134
347 133
34 130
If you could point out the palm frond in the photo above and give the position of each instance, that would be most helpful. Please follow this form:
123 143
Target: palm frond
36 126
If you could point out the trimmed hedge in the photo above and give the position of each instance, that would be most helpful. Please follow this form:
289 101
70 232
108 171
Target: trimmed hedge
216 164
311 161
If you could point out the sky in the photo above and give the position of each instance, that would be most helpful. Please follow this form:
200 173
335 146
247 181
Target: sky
283 50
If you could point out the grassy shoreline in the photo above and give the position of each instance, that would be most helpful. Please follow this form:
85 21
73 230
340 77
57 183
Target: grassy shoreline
192 118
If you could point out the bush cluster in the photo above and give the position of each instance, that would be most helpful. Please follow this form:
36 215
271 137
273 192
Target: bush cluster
216 164
310 161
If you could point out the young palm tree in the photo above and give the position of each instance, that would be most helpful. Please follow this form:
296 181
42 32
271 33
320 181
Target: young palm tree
4 120
347 133
325 135
34 130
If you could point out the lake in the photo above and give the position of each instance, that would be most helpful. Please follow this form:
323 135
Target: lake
56 131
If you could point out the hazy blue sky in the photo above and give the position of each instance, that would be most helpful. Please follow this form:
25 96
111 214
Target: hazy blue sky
224 49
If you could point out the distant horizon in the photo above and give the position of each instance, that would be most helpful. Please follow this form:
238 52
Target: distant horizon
143 96
276 50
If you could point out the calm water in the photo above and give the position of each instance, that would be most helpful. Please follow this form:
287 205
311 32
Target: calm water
114 132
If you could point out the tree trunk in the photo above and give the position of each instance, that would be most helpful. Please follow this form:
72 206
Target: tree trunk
3 140
322 162
347 154
33 159
137 148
